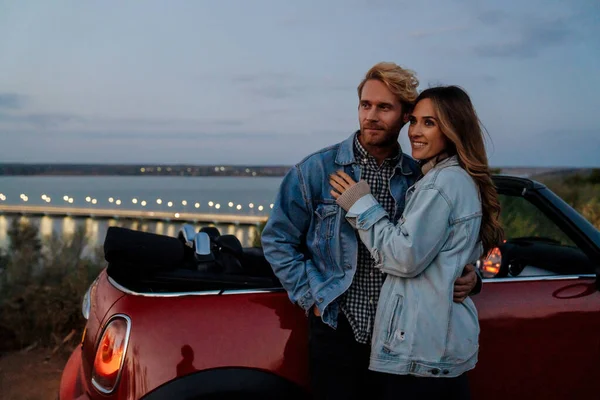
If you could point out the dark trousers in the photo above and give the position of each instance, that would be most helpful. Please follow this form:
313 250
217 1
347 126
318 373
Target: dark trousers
408 387
339 369
339 365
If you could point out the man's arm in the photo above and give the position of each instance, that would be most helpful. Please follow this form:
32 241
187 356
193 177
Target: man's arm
284 236
468 284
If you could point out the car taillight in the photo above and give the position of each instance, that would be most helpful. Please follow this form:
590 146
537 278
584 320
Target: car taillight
490 266
110 353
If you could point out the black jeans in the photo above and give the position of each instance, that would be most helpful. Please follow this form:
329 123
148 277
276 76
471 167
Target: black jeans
339 365
408 387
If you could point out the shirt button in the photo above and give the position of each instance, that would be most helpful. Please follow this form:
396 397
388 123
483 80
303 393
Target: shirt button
371 300
435 371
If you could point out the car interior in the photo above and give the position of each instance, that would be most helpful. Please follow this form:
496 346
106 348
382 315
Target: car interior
208 261
535 256
535 245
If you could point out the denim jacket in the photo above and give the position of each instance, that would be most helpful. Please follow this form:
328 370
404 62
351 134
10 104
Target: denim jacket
309 244
419 330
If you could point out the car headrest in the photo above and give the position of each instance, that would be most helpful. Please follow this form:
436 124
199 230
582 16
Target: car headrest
230 244
212 232
135 247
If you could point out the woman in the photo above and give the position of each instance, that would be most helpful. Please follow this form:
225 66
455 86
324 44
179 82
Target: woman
423 342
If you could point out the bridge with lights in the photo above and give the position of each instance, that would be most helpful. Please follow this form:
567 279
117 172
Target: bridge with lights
92 210
133 214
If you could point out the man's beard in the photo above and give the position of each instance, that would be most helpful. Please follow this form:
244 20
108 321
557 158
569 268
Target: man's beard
384 137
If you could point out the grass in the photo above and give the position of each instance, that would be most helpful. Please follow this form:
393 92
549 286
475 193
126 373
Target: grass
582 192
42 282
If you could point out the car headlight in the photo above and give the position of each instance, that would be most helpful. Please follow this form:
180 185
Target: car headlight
86 304
110 353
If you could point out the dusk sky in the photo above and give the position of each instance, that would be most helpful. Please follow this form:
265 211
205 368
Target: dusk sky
268 82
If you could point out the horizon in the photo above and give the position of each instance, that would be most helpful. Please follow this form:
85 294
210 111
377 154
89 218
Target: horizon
117 164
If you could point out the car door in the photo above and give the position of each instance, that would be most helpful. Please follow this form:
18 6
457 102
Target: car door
539 308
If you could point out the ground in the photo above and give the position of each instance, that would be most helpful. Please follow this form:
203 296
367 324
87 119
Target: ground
32 375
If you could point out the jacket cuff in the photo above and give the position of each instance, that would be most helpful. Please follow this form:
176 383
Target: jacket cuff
370 217
306 301
353 194
478 285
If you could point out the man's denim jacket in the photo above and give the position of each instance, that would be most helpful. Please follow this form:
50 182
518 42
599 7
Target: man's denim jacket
419 330
309 244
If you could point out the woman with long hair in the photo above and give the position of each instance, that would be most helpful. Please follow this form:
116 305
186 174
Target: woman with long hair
423 342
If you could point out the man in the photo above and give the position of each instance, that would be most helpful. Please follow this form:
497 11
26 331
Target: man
316 254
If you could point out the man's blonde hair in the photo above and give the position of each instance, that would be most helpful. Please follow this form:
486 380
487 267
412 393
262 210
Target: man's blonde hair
402 82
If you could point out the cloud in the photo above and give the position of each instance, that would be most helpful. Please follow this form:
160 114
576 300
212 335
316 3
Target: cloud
271 85
260 77
492 17
533 36
23 122
279 86
197 136
39 120
385 4
435 32
488 78
11 100
278 92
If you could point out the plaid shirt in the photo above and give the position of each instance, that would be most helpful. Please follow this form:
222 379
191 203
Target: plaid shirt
359 303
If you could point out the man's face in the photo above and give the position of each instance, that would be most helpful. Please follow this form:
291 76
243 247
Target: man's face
380 115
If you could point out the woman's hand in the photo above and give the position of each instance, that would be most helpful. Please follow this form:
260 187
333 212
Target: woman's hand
340 182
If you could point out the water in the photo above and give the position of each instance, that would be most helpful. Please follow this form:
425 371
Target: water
231 195
183 192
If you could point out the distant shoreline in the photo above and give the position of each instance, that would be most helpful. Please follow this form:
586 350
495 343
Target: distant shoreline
223 170
220 170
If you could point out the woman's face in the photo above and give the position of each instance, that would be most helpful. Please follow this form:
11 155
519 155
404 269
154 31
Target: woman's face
426 138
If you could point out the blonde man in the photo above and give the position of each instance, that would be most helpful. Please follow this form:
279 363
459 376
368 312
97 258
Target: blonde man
315 253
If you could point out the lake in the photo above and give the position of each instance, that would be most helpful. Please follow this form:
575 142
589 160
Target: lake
231 195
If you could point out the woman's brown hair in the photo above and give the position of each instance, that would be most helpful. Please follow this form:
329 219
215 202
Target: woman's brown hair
459 123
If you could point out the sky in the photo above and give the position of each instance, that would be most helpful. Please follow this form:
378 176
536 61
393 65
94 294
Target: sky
271 81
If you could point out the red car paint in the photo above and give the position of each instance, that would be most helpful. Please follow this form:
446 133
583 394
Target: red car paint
538 340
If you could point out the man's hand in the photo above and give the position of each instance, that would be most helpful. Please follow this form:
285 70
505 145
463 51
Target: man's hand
465 284
316 312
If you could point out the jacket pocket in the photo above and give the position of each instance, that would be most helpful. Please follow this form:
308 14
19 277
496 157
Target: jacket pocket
394 312
326 228
463 333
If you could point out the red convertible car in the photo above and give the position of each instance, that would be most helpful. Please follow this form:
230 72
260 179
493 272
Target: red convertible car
200 317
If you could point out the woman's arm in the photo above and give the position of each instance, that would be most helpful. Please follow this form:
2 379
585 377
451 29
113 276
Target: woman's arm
407 248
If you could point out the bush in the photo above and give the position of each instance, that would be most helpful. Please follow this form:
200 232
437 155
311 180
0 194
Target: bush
591 212
256 240
43 284
580 192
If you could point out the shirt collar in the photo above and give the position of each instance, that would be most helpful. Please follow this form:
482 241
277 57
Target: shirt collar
346 155
363 157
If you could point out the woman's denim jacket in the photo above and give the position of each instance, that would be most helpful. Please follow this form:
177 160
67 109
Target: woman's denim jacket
311 248
419 330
